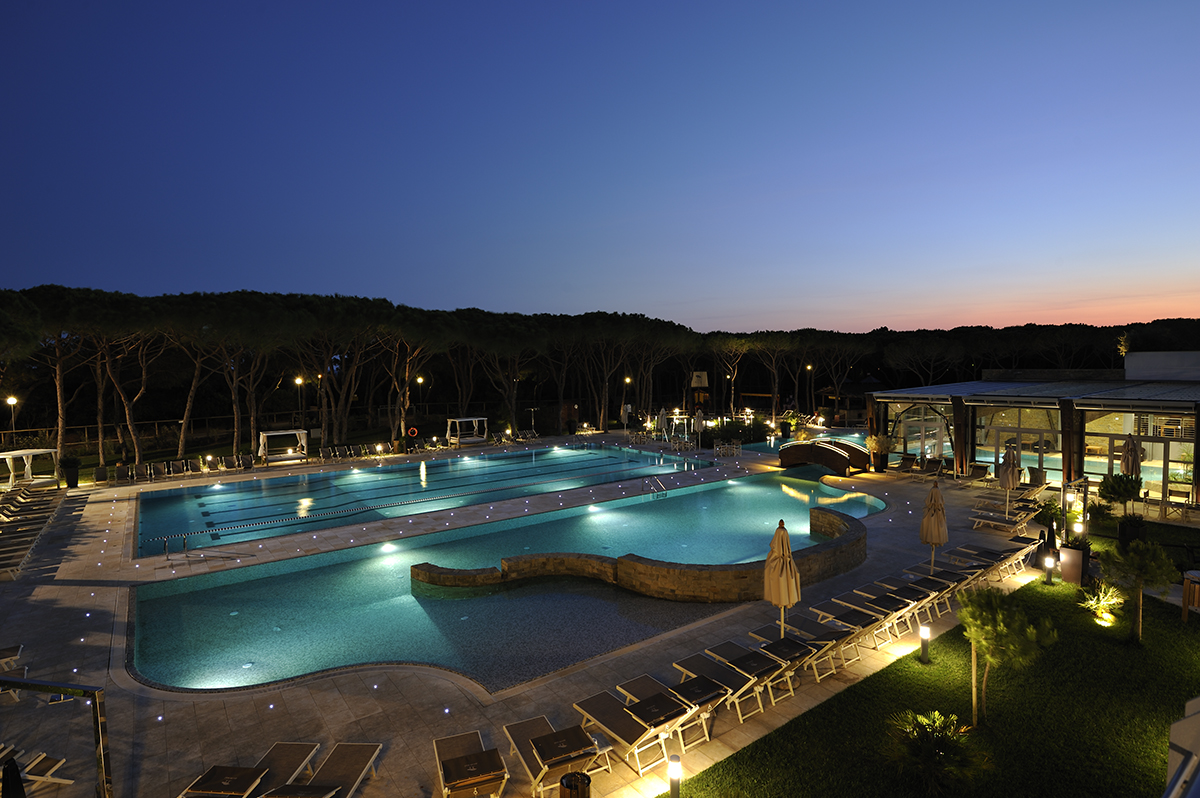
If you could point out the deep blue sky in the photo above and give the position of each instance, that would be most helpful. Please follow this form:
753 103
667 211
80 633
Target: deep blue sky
733 166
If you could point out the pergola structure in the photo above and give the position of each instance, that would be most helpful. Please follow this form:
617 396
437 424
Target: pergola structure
27 455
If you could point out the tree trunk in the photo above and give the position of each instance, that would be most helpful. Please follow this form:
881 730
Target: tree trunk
974 689
187 410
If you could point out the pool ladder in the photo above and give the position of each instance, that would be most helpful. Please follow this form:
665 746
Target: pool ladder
657 489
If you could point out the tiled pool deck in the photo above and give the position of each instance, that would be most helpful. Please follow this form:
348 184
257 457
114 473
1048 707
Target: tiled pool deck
69 607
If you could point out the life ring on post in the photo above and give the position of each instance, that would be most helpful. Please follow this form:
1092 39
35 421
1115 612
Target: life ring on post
412 432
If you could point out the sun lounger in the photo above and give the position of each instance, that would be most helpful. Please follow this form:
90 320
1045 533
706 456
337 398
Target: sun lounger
907 462
15 692
742 687
465 768
791 654
979 473
41 768
1013 524
813 631
701 694
869 626
158 471
929 470
637 731
341 773
939 592
547 755
916 601
9 655
819 652
284 762
891 610
224 780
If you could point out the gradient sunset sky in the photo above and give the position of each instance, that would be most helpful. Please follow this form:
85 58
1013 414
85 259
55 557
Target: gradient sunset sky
731 166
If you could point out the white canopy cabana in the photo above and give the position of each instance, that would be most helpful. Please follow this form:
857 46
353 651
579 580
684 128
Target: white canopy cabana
27 455
466 430
297 452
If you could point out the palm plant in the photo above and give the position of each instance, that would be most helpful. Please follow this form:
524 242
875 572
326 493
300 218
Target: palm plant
935 750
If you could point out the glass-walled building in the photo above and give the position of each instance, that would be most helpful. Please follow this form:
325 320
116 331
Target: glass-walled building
1072 427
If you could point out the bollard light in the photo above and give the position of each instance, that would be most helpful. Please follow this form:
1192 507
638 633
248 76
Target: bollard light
924 632
1049 570
674 774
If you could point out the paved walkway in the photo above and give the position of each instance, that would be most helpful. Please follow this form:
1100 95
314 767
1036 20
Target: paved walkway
69 609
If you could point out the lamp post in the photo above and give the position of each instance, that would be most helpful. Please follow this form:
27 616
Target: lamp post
1049 563
12 405
300 398
924 630
674 774
812 402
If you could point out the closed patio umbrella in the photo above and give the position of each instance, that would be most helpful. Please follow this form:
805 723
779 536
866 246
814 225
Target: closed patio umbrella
781 580
11 784
662 422
699 425
1009 474
1131 457
933 523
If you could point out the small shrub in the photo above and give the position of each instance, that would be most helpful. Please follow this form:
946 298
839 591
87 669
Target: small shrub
1105 598
934 750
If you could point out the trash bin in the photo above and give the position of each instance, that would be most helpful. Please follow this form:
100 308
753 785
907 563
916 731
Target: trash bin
575 785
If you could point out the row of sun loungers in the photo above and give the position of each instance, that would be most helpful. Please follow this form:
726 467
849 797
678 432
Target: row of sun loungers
25 514
278 774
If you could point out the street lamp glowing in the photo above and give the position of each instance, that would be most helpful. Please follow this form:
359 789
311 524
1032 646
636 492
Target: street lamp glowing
1049 562
299 380
925 632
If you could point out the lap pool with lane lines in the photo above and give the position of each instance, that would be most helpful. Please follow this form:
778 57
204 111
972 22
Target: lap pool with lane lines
224 514
264 623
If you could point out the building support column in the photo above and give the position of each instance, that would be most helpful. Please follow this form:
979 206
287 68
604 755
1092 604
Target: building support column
1071 425
964 434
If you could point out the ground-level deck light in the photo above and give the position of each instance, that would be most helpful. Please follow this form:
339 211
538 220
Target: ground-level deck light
674 774
1049 562
924 632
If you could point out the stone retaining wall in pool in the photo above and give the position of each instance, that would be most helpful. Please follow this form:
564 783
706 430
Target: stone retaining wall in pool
845 548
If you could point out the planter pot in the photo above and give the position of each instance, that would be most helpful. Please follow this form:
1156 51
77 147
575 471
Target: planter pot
879 462
1073 563
1129 531
71 477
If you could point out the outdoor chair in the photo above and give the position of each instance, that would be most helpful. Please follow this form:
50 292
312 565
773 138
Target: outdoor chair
465 768
100 475
158 471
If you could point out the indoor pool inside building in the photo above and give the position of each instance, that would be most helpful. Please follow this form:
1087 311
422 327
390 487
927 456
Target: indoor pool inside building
265 623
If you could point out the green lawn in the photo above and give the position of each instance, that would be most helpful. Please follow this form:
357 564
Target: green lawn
1091 717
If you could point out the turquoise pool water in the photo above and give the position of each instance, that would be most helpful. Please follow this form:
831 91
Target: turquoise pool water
275 621
236 512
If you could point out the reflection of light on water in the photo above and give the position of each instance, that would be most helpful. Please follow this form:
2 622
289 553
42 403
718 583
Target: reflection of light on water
302 510
388 547
847 498
422 473
788 490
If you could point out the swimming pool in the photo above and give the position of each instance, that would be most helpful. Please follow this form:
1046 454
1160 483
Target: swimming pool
236 512
275 621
